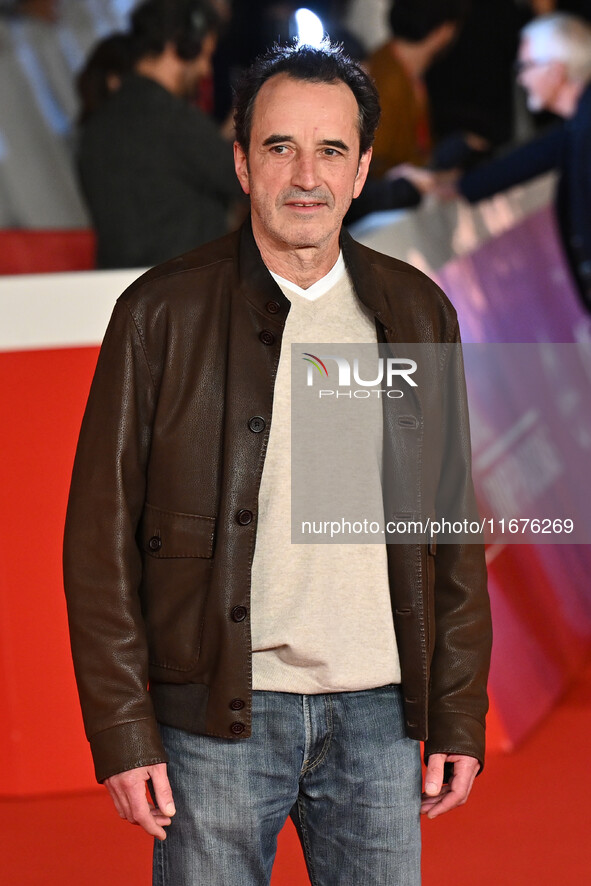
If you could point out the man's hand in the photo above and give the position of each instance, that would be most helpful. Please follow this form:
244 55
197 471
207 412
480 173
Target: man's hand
440 798
129 794
442 183
424 180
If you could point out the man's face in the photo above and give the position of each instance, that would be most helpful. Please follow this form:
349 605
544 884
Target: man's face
303 166
540 78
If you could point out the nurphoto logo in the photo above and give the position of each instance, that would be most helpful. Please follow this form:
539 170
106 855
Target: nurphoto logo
388 370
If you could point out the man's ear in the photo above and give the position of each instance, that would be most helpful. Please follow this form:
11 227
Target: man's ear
241 167
362 171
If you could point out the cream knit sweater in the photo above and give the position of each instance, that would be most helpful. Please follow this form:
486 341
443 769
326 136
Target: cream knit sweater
321 613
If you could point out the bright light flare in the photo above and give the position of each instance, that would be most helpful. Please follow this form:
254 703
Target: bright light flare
310 28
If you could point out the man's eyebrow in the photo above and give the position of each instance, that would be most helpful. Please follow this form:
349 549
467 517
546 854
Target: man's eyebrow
335 143
277 139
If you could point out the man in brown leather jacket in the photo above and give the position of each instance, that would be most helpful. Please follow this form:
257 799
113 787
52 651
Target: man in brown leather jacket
245 678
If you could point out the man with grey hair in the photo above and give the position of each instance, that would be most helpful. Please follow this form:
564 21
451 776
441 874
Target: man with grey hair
554 67
554 64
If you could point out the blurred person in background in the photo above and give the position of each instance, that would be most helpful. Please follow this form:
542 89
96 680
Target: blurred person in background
554 68
471 87
156 173
421 30
531 124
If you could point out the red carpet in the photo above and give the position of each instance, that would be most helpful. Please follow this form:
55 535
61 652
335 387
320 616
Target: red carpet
526 823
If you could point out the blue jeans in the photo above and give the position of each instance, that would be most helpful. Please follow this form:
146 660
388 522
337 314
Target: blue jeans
340 764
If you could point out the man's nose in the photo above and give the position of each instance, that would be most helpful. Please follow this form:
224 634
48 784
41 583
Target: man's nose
305 172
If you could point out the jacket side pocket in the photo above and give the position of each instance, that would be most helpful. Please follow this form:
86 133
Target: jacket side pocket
177 551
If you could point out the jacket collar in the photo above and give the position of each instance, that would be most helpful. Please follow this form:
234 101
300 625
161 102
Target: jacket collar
366 283
260 288
256 282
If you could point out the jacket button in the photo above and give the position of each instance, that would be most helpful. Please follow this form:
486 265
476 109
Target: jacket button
239 613
155 543
236 704
257 424
267 337
244 517
237 728
273 307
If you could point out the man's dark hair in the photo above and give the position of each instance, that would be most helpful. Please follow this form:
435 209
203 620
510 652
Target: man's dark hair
111 57
413 20
327 64
185 23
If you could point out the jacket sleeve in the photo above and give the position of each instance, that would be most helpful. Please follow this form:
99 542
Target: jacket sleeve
102 562
458 699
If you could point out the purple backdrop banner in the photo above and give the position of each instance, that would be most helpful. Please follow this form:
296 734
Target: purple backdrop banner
529 438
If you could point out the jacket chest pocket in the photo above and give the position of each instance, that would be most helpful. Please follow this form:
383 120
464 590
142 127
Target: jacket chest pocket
177 552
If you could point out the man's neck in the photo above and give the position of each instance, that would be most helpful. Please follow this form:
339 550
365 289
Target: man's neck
303 266
165 69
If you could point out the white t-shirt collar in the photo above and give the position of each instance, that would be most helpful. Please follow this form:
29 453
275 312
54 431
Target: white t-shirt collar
321 286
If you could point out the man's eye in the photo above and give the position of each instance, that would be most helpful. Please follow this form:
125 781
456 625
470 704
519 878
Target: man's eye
331 152
279 149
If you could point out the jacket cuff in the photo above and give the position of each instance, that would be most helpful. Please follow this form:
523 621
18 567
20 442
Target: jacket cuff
457 734
127 746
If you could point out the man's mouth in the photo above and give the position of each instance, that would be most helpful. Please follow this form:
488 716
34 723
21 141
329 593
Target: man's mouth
307 204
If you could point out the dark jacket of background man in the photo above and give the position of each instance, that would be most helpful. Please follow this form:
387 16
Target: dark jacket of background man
157 175
567 149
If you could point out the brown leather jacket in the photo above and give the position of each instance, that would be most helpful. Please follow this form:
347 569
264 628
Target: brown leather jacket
162 514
